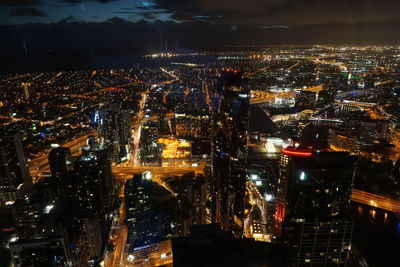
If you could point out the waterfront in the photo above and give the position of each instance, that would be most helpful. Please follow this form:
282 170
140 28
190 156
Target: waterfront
376 235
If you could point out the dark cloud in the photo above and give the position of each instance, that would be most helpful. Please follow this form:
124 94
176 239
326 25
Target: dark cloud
182 16
20 3
269 27
294 12
73 2
27 11
92 45
144 7
148 15
117 20
69 19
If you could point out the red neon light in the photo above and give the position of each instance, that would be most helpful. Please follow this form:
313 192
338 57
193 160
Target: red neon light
296 153
279 212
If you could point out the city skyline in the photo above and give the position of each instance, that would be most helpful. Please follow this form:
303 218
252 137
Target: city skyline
199 133
45 35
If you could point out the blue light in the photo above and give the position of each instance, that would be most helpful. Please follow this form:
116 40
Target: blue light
96 117
42 135
302 176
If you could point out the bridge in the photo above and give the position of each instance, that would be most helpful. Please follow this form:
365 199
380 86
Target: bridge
376 201
124 173
355 104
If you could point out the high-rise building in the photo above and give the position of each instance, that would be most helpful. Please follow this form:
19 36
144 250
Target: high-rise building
192 192
27 90
151 212
88 183
313 198
229 150
45 233
61 167
115 128
14 171
40 252
222 249
150 150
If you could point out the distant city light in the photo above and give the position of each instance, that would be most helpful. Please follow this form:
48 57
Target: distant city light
268 197
96 117
302 176
254 177
48 208
130 257
13 239
148 175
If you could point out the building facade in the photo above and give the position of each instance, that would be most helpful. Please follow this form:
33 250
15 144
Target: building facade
313 198
231 100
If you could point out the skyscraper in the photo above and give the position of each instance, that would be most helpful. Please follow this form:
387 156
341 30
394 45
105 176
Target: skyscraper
313 197
60 168
115 128
14 171
229 150
27 90
88 184
94 182
151 212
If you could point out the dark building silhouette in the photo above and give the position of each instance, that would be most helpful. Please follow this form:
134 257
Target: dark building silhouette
115 127
313 198
61 167
152 212
229 150
88 184
208 245
45 233
40 252
14 172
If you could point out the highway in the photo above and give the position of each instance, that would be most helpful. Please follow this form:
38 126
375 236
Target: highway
376 201
124 173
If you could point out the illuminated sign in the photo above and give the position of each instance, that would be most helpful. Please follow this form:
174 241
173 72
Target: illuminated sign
296 153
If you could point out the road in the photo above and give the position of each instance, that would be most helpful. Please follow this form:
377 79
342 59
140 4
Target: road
257 202
376 201
124 173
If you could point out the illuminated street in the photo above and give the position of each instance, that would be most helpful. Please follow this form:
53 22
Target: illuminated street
247 155
375 201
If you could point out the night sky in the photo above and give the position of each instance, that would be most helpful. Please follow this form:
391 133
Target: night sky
35 29
266 13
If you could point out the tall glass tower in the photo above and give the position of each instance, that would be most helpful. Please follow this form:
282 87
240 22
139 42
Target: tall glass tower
313 199
230 101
